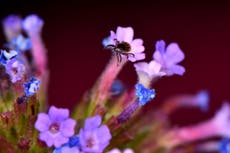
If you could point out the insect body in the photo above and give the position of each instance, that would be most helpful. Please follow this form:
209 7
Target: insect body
120 48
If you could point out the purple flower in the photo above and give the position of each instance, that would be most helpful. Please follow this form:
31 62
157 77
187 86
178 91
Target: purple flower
32 24
55 127
169 58
12 26
125 35
32 86
93 137
15 69
6 56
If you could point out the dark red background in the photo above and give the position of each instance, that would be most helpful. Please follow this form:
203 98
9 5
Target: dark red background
73 33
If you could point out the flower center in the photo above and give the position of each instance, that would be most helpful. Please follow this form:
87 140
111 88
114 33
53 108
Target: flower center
124 46
54 128
14 70
90 142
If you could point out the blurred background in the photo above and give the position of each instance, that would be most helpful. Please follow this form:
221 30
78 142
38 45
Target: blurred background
74 30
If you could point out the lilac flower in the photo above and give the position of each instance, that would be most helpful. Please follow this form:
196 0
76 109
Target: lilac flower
93 137
144 94
224 145
32 86
6 56
21 43
15 69
32 24
118 151
125 35
169 58
221 121
55 127
12 26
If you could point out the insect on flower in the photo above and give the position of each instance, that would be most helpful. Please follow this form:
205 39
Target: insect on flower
119 49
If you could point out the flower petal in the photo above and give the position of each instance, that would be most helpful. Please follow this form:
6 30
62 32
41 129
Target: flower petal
125 34
174 54
47 138
42 123
58 114
70 150
103 134
177 69
60 140
138 56
137 46
93 122
67 127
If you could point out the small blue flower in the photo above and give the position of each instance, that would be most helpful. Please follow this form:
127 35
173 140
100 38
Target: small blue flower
6 56
32 86
224 146
144 94
74 141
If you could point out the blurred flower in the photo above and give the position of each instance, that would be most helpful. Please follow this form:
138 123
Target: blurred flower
117 88
125 35
6 56
224 146
32 86
202 99
221 120
55 127
21 43
15 69
144 94
169 58
118 151
12 26
93 137
32 24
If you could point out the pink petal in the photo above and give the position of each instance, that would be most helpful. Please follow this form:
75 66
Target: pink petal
137 46
141 66
138 56
125 34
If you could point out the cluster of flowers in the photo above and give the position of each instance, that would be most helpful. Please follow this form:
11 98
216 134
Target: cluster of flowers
110 118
